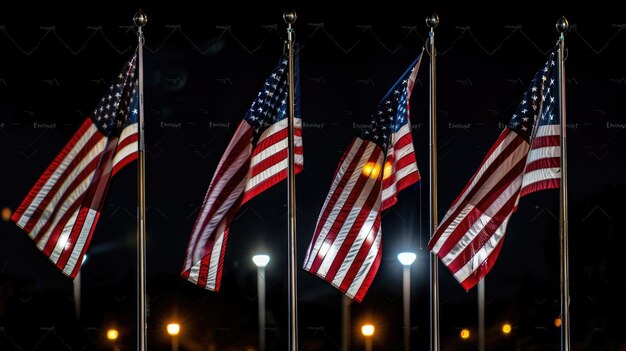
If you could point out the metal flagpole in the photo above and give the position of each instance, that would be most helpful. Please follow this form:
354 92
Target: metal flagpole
432 22
345 322
481 315
290 17
140 20
562 26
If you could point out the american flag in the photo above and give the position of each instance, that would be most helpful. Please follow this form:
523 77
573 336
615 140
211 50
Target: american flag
61 211
346 246
256 158
524 159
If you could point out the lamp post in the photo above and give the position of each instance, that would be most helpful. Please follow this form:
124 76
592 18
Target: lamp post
261 261
77 289
173 329
407 259
368 331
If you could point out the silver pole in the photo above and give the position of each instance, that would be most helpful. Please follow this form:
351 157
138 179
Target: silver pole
76 289
406 285
368 343
345 322
562 26
481 315
290 18
261 293
142 328
432 22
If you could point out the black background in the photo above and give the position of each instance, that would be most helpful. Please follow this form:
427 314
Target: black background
202 69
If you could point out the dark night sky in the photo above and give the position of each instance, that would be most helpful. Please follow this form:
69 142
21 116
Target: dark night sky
202 70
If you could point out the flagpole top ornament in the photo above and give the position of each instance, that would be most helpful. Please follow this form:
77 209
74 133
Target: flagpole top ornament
432 21
140 19
562 25
290 16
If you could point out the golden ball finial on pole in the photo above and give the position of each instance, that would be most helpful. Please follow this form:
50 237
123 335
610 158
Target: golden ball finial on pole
562 25
432 21
140 19
290 17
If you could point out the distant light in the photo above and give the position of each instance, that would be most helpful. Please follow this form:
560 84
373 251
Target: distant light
6 214
112 334
506 328
173 329
557 322
406 258
261 260
371 170
367 330
465 334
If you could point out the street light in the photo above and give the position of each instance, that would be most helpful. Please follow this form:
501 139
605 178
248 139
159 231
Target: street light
407 259
465 334
112 335
368 331
506 328
173 329
261 261
76 285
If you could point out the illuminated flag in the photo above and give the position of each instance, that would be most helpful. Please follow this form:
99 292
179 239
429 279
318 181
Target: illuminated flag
255 160
61 211
346 246
524 159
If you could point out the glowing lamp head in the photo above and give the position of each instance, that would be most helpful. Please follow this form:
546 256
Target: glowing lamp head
173 329
406 258
465 334
112 334
261 260
367 330
506 328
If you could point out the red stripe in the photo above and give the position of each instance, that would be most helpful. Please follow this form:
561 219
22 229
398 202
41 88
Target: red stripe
481 207
405 140
203 273
229 158
129 139
268 162
341 183
494 168
546 141
84 249
123 162
349 204
541 185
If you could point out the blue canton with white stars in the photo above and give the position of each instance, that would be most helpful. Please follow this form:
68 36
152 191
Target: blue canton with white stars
541 95
391 114
272 101
119 106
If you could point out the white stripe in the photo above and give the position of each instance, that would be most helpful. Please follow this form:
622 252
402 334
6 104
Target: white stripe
548 129
265 174
364 232
63 237
314 251
541 174
400 174
450 228
267 152
71 199
329 258
194 272
543 152
46 214
365 267
216 254
512 191
481 255
80 144
80 242
483 168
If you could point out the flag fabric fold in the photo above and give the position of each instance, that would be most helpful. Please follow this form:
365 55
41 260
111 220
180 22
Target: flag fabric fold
346 246
255 160
524 159
61 211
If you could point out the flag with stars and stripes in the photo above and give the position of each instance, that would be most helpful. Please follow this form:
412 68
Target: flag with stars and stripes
255 159
346 247
61 211
524 159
